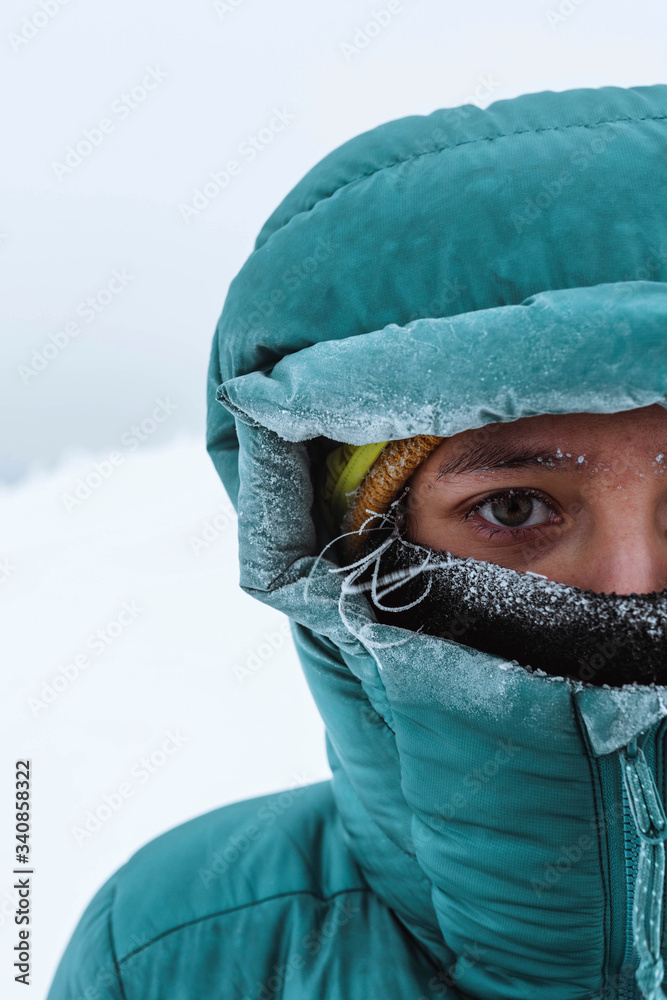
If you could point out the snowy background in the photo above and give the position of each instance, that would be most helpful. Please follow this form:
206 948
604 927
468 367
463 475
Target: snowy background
123 625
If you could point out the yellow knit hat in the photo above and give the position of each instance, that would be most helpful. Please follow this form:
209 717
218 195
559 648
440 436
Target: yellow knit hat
359 479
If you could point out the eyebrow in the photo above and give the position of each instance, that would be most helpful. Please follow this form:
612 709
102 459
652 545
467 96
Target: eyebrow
504 455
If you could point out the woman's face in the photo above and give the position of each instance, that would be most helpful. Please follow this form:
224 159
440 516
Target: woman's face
580 498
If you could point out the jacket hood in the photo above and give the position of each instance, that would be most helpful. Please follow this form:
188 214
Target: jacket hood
436 274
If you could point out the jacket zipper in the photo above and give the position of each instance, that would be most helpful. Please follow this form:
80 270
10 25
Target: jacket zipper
632 845
623 853
624 844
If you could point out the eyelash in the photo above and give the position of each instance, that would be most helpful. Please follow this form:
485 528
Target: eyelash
491 530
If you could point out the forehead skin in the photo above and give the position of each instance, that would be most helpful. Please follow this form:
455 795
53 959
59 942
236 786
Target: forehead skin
621 443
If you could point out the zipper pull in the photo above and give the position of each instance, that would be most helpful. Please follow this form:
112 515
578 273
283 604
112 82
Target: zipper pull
645 803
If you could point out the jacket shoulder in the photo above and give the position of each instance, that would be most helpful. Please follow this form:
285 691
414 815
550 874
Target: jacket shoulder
240 869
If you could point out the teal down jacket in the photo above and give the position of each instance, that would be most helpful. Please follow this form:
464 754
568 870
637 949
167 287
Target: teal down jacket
477 842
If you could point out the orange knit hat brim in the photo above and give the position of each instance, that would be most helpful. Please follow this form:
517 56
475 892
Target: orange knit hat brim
383 483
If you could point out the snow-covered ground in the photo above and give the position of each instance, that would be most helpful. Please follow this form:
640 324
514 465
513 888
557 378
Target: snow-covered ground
133 661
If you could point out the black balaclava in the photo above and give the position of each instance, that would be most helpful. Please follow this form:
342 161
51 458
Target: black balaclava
598 638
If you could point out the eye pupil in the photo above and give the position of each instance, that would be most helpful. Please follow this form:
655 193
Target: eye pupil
513 511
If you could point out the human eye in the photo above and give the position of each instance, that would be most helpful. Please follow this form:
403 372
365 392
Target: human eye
512 514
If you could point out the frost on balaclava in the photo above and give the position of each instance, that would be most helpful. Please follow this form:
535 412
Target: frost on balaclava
597 638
